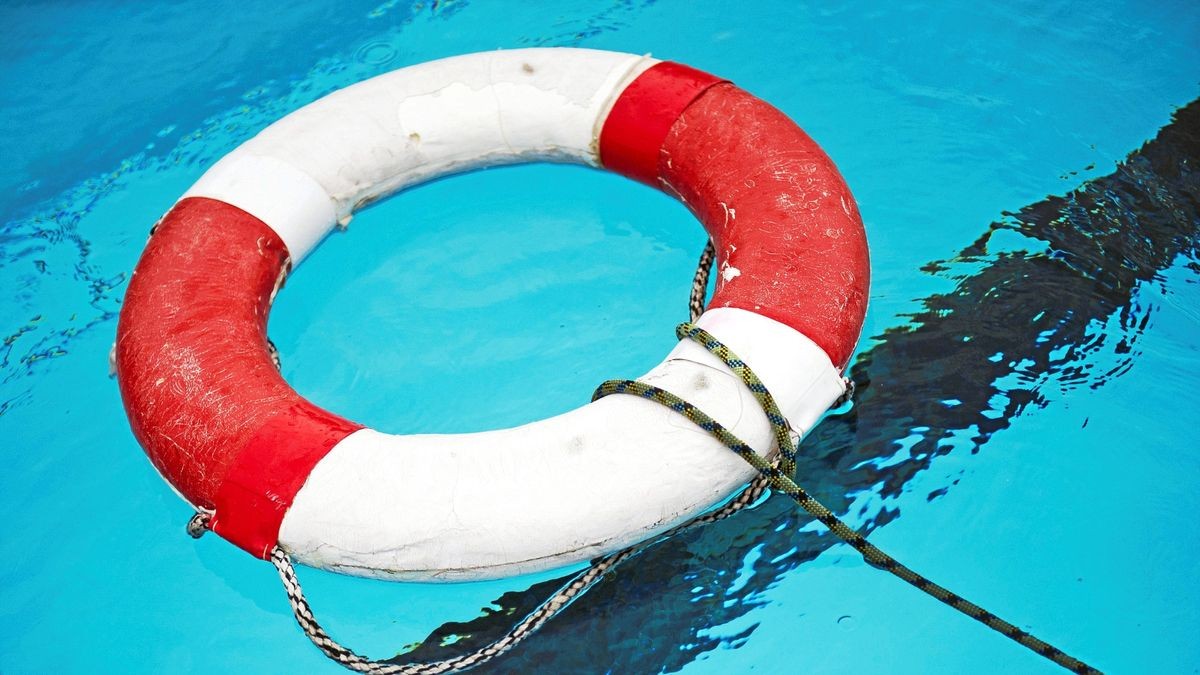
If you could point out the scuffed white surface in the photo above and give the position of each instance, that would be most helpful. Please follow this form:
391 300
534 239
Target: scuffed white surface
562 490
316 166
273 191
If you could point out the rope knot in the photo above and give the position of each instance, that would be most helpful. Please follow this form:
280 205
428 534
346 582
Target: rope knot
199 524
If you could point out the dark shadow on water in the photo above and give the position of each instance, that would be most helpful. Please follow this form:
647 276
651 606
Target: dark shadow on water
1036 298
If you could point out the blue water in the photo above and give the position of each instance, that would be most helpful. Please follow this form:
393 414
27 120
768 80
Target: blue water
1023 432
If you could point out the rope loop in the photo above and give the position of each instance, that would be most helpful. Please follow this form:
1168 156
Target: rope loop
781 482
550 607
198 524
771 474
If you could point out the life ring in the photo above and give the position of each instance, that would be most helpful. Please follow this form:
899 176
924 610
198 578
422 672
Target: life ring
222 426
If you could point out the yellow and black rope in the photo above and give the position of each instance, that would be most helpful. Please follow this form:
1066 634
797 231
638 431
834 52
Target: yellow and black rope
780 479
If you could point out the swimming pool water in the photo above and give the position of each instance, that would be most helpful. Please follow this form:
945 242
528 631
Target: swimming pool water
1023 428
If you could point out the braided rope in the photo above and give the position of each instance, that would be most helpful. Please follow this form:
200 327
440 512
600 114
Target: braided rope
771 474
779 424
550 607
780 481
700 281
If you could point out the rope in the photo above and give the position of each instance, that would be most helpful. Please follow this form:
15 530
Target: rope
199 524
550 607
700 281
772 474
780 481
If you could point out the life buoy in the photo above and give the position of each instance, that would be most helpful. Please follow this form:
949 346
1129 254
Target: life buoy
221 425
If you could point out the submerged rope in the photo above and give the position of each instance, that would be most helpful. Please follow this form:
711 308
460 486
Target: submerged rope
780 481
551 606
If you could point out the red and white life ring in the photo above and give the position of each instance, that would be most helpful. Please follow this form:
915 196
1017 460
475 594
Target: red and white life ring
222 426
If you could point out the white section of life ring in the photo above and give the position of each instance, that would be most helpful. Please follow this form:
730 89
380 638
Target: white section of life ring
330 158
561 490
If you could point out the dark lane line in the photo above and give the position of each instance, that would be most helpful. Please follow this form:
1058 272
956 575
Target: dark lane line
967 363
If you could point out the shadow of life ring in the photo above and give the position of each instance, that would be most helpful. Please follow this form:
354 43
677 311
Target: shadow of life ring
222 426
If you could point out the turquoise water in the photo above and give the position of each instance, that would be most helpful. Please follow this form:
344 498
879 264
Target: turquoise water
1023 431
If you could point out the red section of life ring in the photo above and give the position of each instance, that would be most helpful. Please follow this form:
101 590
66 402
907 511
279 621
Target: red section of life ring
204 398
790 242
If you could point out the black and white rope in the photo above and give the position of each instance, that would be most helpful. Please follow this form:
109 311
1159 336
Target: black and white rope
700 282
527 627
549 608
